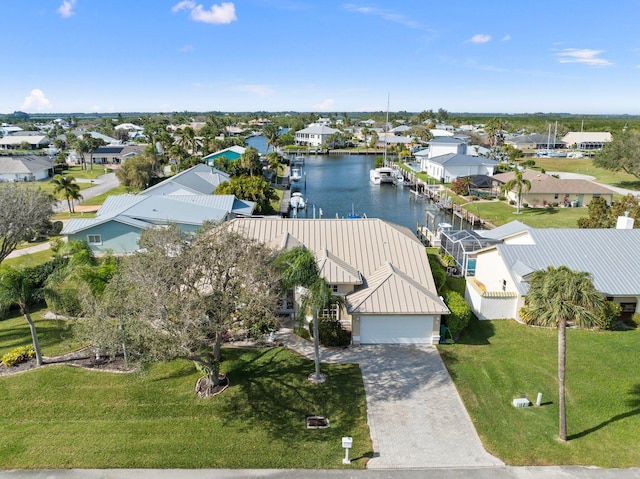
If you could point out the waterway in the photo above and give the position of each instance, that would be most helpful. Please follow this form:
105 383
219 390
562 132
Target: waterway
337 185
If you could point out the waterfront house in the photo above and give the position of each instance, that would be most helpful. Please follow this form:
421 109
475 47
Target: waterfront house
314 135
535 141
587 140
32 140
25 168
197 180
230 154
503 270
448 167
546 189
380 268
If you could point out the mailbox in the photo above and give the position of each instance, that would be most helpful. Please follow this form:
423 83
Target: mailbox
346 442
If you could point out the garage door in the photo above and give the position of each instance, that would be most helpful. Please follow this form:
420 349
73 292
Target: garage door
396 329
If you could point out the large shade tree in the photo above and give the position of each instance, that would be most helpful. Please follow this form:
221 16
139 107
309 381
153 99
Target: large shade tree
556 297
24 214
621 154
180 296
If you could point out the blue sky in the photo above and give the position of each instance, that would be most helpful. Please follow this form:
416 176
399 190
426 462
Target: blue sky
508 56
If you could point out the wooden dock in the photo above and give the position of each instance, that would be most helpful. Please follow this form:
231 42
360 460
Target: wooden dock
284 204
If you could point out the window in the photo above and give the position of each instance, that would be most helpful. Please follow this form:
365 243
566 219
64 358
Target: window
334 288
331 313
596 195
94 239
556 196
504 285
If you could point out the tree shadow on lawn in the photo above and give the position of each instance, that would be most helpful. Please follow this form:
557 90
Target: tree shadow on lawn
477 333
633 402
272 392
630 185
544 211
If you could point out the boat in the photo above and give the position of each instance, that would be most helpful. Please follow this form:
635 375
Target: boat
399 178
297 201
295 174
384 174
298 160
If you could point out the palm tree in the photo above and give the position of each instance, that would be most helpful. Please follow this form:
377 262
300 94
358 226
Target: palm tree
68 187
556 297
299 268
270 132
520 184
17 287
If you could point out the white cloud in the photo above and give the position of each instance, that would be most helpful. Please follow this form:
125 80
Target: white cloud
326 105
480 38
217 14
585 55
384 14
36 101
506 38
66 9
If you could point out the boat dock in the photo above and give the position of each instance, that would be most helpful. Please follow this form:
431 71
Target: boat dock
284 204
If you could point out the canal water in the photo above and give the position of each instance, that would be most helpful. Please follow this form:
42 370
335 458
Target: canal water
338 185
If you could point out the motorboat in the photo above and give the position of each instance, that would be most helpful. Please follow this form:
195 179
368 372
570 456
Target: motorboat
298 160
382 175
297 201
295 174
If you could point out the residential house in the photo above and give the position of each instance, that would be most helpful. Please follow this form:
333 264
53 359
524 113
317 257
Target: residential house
112 154
230 154
535 141
503 271
33 140
546 189
587 140
6 129
314 135
25 168
122 218
380 268
197 180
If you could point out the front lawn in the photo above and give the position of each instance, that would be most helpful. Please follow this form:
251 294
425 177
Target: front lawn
499 213
496 361
54 335
65 417
585 166
28 260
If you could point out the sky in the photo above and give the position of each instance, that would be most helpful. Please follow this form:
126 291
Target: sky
488 56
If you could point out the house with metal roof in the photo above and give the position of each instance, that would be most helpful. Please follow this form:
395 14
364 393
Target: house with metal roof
25 168
447 168
546 189
503 270
230 154
121 219
587 140
114 154
28 139
380 268
197 180
314 135
535 141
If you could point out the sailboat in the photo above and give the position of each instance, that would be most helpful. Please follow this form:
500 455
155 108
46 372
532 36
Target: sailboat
384 174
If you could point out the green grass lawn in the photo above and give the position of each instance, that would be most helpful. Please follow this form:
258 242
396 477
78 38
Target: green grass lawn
65 417
78 173
496 361
499 213
585 166
31 259
118 190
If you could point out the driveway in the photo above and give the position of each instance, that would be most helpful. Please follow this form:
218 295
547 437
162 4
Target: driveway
416 417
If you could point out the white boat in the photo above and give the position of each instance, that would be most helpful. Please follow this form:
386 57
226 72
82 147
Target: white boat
297 201
382 175
295 174
298 160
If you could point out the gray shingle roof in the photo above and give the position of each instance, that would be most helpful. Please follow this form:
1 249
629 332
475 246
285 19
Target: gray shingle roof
24 164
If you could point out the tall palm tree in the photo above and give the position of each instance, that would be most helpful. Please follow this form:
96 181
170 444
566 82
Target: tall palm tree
298 267
68 187
520 184
270 132
557 296
17 287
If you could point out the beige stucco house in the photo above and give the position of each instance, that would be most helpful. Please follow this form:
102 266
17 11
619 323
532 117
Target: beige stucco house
546 189
380 268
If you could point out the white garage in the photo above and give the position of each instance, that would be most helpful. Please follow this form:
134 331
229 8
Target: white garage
396 329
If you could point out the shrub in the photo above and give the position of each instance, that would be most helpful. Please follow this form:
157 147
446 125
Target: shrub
554 204
18 355
633 321
512 202
525 205
438 272
609 316
332 334
460 312
449 260
502 198
302 332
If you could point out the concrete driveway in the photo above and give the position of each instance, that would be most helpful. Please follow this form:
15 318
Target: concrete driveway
416 417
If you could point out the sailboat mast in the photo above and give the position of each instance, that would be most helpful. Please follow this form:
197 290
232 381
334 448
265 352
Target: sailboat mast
386 127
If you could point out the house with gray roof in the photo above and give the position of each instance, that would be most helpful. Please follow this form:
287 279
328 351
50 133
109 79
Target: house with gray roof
114 154
503 270
447 168
535 141
197 180
29 139
314 135
25 168
379 268
121 219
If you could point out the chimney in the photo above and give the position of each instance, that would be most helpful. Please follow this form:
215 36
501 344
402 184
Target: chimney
624 222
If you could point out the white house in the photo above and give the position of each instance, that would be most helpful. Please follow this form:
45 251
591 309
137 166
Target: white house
587 140
380 268
503 270
314 135
25 168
